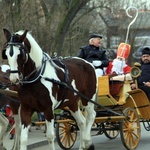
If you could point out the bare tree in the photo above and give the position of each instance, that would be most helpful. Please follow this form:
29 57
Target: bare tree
63 26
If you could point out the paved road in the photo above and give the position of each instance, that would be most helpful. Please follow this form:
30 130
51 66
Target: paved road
102 143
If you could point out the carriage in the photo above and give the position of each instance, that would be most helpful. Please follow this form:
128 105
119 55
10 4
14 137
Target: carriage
122 111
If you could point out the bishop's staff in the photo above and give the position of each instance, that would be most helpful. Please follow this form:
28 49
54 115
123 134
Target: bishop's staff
124 48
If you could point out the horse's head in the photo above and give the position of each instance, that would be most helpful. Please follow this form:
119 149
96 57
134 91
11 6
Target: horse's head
15 50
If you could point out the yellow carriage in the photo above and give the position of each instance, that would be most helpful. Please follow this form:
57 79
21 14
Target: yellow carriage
122 111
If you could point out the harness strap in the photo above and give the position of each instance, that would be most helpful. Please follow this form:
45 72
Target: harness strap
38 74
80 94
66 81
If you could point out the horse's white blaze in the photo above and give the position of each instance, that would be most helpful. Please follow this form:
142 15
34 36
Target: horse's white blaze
50 134
12 60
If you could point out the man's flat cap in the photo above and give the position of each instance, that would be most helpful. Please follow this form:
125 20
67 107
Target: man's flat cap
96 36
146 50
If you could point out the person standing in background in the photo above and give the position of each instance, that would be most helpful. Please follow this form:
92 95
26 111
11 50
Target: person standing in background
144 79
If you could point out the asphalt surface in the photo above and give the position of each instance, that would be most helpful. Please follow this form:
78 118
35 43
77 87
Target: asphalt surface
37 141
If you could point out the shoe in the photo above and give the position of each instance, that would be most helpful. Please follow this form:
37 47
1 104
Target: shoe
12 137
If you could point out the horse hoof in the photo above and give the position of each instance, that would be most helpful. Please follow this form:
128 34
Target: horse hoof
91 147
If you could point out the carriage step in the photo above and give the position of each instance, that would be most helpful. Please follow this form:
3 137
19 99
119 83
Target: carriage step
109 118
38 123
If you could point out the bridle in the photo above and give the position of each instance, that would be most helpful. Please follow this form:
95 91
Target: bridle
38 72
23 54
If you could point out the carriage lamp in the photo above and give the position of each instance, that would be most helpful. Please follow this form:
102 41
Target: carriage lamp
135 73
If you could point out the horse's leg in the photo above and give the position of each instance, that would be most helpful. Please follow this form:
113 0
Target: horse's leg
50 134
25 114
81 122
90 117
17 132
3 127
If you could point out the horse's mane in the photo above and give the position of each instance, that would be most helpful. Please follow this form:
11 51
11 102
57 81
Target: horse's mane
36 52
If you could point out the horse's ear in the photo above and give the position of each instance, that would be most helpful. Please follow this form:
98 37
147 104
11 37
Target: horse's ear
23 36
7 34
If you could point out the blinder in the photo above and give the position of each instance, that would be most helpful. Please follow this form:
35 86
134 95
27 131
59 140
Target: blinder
4 56
21 48
22 53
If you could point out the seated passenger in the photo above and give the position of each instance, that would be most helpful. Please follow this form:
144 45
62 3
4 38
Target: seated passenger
119 65
94 54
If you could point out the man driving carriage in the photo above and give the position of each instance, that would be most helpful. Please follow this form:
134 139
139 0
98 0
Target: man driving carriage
94 54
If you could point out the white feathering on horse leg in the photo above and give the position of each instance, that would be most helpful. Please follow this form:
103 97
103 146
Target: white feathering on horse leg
81 122
50 134
24 137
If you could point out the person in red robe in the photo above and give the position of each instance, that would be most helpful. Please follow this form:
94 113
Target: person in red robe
119 64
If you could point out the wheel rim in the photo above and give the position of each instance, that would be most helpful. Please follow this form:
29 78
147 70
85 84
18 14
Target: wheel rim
66 135
111 134
131 129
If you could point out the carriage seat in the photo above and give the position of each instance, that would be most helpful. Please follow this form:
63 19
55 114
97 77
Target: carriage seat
124 77
104 96
115 86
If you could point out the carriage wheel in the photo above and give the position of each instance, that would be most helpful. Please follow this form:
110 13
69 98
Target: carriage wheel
111 134
66 134
130 129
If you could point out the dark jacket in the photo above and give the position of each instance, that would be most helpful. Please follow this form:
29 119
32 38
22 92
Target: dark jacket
145 74
144 77
91 53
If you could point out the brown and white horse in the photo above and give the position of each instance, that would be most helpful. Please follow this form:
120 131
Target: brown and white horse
14 103
46 85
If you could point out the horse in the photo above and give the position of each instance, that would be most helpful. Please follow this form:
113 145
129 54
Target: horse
14 104
46 84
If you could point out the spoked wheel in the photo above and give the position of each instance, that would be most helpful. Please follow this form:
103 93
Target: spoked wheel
66 134
110 130
130 129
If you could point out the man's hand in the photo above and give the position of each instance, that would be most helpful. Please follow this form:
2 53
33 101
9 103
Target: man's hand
133 86
146 84
96 63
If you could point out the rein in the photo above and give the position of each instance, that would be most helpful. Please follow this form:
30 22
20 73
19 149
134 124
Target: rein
3 87
39 75
80 94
